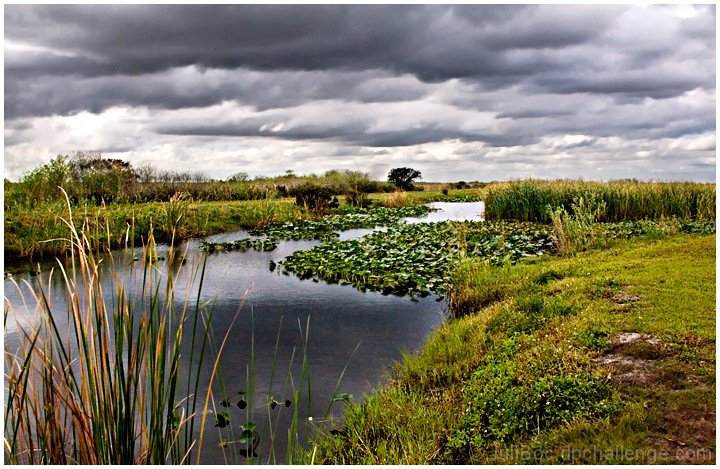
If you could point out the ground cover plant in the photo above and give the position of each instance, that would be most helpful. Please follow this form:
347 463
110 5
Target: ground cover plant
559 356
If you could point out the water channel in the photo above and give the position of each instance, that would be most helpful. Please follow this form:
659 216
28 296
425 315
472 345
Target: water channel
364 331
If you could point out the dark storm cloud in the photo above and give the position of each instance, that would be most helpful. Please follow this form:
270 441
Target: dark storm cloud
126 49
191 87
431 42
499 77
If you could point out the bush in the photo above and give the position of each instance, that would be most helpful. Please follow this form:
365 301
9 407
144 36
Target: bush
358 199
314 198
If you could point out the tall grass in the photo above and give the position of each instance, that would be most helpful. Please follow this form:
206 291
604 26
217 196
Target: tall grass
107 390
580 229
528 200
41 232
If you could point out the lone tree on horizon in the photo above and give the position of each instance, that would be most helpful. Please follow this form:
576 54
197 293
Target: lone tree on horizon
403 177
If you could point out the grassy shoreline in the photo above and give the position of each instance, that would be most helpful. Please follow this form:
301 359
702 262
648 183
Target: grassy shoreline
603 350
41 232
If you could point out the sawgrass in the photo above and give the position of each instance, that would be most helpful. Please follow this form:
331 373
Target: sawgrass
533 200
107 390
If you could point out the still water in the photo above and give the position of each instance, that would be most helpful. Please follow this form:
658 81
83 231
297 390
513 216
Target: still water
364 332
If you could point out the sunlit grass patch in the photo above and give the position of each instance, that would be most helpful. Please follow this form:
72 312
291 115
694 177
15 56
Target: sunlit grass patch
537 374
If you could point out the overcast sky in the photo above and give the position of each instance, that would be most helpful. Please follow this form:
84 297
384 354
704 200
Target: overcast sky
469 92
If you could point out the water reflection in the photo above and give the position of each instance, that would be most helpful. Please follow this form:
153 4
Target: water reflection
343 321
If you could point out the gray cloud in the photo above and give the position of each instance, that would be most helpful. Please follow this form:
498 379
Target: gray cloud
360 76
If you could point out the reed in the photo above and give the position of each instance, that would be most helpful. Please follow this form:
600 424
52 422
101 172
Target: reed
41 232
107 390
528 200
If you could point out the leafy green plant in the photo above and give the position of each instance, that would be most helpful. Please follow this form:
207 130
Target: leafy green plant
315 198
593 338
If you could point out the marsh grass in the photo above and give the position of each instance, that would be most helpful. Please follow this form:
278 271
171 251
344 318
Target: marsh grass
578 229
528 200
42 232
107 390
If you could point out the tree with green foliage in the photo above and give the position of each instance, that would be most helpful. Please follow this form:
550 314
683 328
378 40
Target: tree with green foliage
403 177
41 185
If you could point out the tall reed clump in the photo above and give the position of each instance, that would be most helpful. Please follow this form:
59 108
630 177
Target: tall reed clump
528 200
107 390
173 212
578 230
396 199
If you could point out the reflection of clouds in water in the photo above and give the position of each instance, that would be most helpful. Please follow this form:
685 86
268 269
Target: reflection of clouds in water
340 318
456 211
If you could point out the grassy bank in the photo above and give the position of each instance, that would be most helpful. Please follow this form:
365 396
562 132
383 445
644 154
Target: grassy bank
605 356
40 231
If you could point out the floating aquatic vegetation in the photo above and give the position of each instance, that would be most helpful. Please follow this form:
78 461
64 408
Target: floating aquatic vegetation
463 198
240 245
323 230
416 259
348 218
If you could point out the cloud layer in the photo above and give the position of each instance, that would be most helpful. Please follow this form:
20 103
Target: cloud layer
469 92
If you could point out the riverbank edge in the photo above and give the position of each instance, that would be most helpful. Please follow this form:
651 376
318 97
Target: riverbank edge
637 319
42 233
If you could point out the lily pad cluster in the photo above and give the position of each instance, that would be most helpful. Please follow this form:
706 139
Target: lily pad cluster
347 219
416 259
463 198
240 245
323 230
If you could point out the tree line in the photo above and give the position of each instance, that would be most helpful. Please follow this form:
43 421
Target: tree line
88 178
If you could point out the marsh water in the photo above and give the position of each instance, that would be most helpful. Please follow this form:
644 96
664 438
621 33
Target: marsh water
362 332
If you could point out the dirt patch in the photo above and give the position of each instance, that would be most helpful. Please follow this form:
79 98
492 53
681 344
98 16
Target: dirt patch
623 297
623 301
632 359
630 337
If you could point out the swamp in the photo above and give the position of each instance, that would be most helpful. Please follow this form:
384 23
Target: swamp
285 342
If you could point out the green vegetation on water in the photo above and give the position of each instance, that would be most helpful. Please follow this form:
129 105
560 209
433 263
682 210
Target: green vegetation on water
347 218
416 259
324 229
241 245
